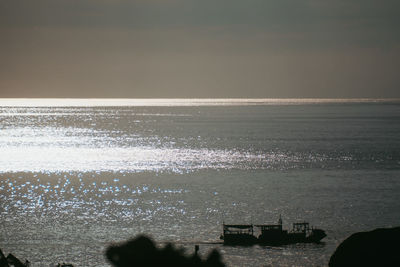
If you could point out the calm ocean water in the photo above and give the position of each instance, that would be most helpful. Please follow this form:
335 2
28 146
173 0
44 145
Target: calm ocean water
74 179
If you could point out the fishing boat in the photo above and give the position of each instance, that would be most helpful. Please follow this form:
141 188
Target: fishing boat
270 234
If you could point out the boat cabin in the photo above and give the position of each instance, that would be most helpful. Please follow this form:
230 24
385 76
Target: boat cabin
302 227
238 229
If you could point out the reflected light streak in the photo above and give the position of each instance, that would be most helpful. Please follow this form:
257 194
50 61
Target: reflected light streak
134 159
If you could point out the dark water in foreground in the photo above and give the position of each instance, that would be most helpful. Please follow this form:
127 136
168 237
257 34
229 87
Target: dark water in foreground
74 179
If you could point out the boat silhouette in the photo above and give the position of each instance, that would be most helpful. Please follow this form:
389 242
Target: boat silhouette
270 234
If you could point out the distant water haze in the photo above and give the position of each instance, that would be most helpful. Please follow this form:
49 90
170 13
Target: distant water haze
81 135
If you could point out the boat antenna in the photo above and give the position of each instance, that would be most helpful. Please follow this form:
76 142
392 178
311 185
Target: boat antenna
280 219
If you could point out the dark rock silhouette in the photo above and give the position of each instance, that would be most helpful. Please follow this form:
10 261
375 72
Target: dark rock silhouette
11 260
380 247
142 251
3 260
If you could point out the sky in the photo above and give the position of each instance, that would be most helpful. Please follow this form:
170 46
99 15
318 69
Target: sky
200 48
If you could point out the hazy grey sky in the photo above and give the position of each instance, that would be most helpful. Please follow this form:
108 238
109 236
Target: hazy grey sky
199 48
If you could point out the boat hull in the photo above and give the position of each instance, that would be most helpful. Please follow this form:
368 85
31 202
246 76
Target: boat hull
274 238
240 240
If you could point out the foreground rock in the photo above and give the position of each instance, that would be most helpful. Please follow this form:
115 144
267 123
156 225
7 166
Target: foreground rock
11 260
380 247
142 252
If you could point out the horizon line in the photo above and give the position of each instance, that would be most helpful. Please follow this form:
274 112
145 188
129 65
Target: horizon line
107 102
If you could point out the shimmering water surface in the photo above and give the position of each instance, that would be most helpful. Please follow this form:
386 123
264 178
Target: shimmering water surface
74 179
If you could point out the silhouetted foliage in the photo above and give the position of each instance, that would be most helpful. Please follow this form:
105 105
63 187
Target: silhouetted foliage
142 251
379 247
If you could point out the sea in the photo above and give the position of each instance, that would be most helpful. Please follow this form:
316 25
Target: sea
77 175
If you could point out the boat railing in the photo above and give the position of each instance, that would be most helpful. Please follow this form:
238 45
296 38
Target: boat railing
269 227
